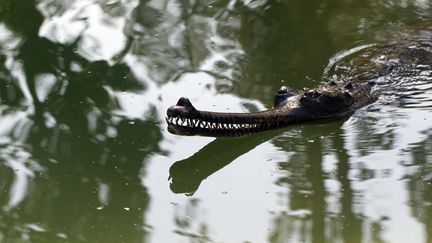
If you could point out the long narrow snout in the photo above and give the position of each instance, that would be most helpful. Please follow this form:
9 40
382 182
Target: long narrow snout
184 119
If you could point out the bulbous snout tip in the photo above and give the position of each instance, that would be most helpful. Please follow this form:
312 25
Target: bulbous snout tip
183 108
183 101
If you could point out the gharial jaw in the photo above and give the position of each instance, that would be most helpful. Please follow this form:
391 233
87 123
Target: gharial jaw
184 119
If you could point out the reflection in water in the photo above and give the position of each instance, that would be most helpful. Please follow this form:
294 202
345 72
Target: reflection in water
71 170
277 56
420 181
184 220
186 175
71 152
307 179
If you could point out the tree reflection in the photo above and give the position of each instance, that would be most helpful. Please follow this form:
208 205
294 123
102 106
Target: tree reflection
81 176
419 183
70 162
10 94
308 191
351 222
188 218
171 42
277 56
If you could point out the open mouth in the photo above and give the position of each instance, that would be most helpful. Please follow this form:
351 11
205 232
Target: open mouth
200 124
184 119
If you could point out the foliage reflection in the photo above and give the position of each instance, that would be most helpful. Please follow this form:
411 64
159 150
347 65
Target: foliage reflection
72 157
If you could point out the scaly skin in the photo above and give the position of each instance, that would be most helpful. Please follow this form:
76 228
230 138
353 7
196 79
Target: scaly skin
324 103
386 68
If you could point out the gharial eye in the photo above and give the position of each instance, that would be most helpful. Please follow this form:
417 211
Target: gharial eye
304 99
312 94
282 95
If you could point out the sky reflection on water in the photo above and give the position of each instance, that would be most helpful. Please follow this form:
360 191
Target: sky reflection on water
85 156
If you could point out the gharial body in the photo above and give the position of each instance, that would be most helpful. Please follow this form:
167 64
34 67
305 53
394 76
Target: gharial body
381 68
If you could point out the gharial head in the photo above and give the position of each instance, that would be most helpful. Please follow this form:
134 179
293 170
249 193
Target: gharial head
290 106
328 99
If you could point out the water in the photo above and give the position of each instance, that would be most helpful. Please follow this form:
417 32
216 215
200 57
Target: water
85 155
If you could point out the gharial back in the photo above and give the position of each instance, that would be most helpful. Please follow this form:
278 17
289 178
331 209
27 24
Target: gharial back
395 65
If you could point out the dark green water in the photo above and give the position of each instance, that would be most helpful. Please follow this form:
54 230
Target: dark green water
84 152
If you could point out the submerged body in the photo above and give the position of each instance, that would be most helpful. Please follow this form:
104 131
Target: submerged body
354 84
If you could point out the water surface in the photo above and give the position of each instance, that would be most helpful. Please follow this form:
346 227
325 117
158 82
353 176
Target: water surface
85 155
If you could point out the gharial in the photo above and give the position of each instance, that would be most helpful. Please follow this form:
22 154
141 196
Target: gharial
402 62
